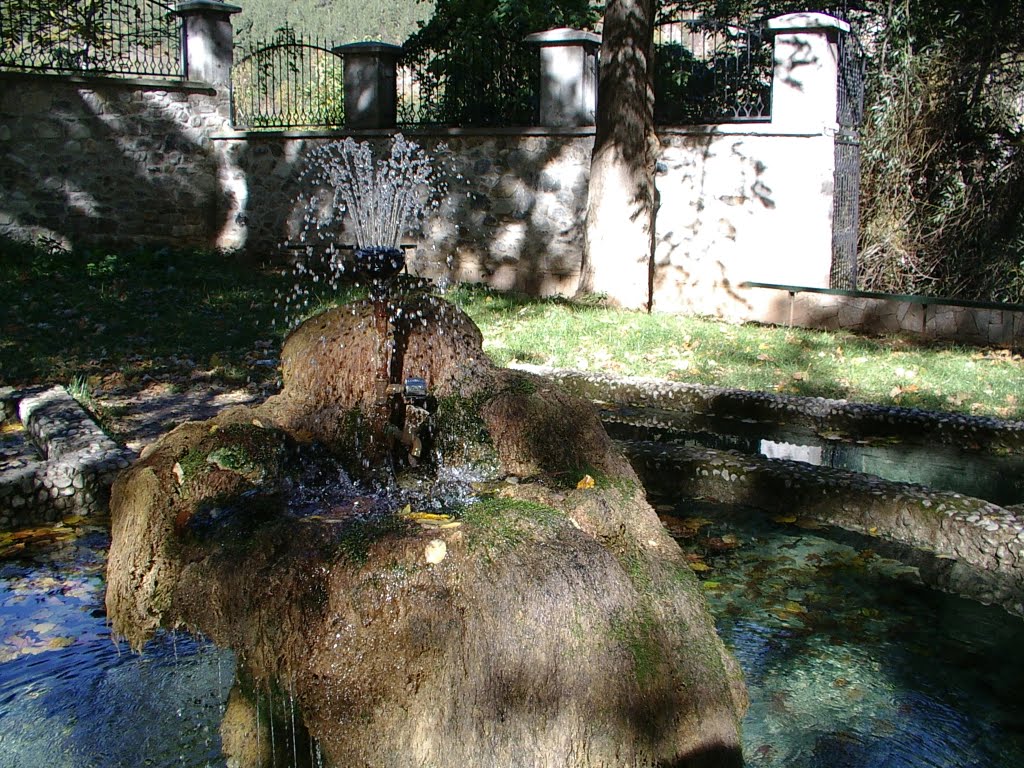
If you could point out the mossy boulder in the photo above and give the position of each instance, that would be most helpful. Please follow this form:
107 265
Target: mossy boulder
547 624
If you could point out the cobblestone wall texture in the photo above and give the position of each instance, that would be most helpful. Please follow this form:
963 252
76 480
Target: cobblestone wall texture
108 161
511 211
63 465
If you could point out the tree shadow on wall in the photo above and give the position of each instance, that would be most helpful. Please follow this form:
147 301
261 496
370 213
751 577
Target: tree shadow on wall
100 166
492 221
693 267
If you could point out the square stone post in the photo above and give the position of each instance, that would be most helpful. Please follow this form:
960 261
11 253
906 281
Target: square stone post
207 40
568 76
805 84
371 97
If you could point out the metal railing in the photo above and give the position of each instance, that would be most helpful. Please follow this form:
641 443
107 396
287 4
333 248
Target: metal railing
710 72
101 37
288 83
852 62
481 83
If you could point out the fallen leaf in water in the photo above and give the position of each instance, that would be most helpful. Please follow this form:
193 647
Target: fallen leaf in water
10 550
722 543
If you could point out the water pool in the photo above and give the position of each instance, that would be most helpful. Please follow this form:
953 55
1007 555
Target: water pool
72 698
849 659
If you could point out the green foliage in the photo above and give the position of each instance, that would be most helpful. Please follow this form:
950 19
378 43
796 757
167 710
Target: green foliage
639 634
500 523
288 81
127 36
341 21
357 536
943 199
469 63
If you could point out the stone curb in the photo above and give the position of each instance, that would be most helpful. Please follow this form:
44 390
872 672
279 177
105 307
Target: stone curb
982 543
976 533
65 467
679 403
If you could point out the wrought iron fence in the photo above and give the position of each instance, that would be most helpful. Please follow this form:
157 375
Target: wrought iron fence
852 63
846 190
103 37
481 83
710 72
288 83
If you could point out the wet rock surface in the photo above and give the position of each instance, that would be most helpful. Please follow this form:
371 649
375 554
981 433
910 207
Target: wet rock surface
556 623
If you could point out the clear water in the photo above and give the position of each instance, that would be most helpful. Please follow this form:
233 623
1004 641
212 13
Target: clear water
849 660
72 698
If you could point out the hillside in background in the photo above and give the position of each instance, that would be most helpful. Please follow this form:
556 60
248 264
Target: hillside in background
338 21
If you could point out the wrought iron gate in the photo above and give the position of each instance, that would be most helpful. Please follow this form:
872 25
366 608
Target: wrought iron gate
846 189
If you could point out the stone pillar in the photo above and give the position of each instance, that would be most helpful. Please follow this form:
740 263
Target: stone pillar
371 98
805 85
207 40
568 76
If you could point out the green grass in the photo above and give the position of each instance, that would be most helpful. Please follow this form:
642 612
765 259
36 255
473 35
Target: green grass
886 370
68 316
74 316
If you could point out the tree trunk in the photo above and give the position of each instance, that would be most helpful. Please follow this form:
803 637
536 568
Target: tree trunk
619 240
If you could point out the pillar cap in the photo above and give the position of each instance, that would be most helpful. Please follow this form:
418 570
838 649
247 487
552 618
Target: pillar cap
802 22
564 36
368 47
208 6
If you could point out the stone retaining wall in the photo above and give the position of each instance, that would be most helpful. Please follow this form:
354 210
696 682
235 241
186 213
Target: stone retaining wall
511 214
968 325
106 161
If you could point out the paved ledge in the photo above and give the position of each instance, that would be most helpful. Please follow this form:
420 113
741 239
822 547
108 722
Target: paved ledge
677 405
61 464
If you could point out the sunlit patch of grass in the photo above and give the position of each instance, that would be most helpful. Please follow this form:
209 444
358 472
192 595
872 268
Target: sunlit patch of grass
833 364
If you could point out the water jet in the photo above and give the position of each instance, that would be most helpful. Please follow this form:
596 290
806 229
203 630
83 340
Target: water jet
512 601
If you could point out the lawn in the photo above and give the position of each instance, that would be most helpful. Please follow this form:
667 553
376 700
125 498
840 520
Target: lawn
159 313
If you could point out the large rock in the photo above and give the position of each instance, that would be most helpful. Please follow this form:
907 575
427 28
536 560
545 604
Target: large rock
556 625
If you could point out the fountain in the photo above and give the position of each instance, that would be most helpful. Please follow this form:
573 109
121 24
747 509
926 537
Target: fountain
419 559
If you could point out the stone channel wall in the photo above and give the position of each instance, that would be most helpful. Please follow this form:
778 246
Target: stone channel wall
62 465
